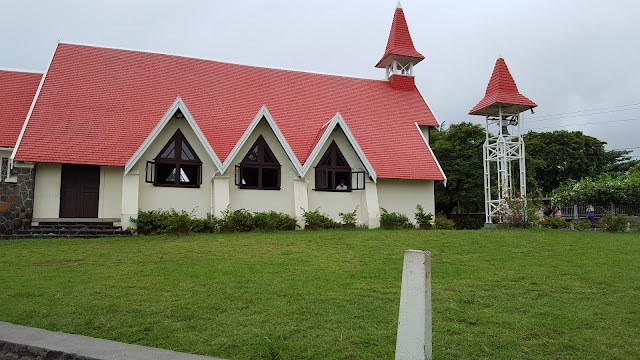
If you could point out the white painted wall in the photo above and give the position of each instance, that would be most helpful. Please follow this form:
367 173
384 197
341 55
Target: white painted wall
262 200
110 198
333 203
46 193
188 199
130 197
403 195
425 132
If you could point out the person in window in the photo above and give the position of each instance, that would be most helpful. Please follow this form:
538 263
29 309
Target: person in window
342 186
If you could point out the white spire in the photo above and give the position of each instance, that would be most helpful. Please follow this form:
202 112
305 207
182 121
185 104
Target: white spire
399 6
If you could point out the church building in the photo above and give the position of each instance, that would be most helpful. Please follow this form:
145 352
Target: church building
105 132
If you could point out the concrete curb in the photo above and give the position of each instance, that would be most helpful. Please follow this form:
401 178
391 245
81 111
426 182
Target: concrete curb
42 342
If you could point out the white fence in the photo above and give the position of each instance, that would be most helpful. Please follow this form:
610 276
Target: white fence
580 211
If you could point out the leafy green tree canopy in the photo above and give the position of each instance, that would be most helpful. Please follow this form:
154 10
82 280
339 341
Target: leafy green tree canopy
558 156
459 151
611 187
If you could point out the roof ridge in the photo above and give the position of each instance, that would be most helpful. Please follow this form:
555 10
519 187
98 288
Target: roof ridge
216 60
21 70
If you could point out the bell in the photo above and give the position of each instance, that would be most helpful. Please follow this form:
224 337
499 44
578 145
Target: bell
505 130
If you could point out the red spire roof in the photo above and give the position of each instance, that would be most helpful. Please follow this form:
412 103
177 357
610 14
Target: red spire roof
399 44
502 90
17 89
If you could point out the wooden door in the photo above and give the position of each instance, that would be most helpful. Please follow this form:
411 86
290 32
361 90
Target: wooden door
79 191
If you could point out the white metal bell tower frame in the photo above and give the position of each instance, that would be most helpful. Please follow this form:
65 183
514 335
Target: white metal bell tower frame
503 156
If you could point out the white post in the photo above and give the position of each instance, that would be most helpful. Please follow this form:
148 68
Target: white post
373 205
300 199
414 321
220 194
130 198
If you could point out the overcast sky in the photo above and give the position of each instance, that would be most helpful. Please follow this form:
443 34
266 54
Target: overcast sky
570 57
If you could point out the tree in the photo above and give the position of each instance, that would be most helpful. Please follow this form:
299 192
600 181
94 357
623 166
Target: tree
459 151
606 188
558 156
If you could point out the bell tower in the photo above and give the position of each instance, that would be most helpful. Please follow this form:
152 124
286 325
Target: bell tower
400 55
502 106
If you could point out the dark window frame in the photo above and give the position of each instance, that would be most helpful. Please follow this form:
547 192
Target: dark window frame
180 141
264 160
330 165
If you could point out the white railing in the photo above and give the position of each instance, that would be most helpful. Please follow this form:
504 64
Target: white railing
579 211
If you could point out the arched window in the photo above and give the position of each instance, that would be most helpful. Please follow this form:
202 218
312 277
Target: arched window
333 172
259 169
176 165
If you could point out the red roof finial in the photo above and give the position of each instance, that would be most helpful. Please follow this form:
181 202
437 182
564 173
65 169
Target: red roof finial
399 46
502 90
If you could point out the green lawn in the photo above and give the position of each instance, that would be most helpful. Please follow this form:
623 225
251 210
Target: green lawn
543 294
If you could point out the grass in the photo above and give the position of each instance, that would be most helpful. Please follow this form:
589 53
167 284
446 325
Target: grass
334 294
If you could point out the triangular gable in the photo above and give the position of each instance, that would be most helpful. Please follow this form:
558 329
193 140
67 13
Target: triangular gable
432 154
262 113
339 121
178 104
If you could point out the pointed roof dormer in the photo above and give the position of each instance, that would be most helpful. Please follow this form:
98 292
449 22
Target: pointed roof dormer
502 91
400 54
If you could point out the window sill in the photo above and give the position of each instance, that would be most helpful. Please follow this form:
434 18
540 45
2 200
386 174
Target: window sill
176 185
333 190
244 187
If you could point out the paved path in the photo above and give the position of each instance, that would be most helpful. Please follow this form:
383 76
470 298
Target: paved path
87 347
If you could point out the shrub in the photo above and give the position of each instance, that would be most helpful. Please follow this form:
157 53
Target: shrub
394 220
319 219
518 211
554 222
151 222
614 223
240 220
206 225
155 222
442 223
178 221
583 225
285 222
349 218
275 220
467 223
421 216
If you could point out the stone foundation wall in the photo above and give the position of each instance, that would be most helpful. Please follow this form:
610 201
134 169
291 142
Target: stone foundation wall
16 202
11 351
26 343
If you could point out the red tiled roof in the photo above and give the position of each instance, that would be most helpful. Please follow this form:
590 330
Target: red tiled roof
16 94
399 43
98 105
502 89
